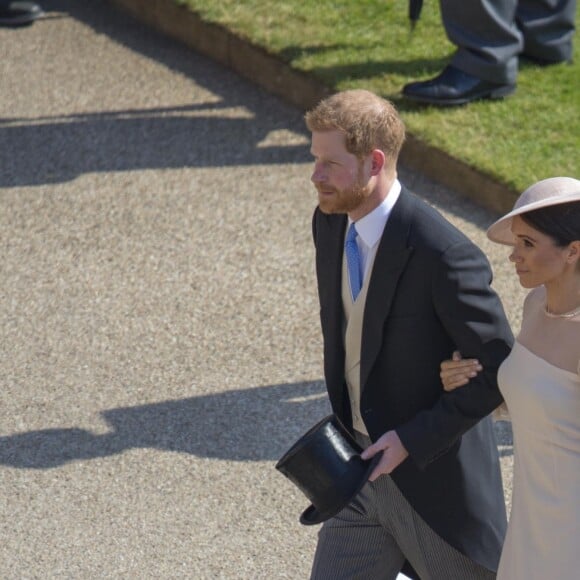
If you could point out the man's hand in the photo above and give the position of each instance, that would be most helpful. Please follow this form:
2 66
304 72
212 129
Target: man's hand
393 453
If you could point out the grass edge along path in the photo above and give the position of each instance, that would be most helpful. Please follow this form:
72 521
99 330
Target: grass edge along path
303 88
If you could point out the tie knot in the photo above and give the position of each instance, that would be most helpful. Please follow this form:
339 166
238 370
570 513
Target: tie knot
352 233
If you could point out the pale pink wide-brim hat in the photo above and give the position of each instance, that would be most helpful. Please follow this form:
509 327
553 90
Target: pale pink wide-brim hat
552 191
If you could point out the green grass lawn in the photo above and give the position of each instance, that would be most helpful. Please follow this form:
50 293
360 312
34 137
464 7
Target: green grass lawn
368 44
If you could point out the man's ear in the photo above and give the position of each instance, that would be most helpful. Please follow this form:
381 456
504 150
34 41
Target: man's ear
377 161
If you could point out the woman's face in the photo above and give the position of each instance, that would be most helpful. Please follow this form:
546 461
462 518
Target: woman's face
538 260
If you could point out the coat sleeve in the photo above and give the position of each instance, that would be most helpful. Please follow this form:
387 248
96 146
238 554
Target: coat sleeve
473 316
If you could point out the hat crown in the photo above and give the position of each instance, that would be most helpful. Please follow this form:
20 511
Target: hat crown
545 193
552 188
325 464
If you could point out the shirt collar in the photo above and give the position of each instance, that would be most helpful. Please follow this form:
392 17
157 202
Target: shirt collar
370 227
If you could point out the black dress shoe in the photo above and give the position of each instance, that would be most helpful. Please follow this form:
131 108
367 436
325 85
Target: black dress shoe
19 13
455 87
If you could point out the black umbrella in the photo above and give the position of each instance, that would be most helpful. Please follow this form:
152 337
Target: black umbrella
415 7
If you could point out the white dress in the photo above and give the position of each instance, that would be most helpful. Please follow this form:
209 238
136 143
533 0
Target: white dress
543 539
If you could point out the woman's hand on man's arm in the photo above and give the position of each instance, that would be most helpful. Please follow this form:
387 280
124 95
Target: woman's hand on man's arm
457 371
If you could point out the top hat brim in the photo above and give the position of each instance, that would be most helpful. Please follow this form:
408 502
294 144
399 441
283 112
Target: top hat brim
312 516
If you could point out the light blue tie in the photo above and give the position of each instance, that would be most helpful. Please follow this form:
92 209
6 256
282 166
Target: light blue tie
353 262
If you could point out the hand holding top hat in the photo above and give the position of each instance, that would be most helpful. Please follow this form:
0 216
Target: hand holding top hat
326 465
393 454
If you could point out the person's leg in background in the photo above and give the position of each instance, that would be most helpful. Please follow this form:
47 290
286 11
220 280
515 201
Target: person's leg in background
486 36
548 29
486 61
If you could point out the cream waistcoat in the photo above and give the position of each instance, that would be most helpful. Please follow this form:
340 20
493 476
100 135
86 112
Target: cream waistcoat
353 322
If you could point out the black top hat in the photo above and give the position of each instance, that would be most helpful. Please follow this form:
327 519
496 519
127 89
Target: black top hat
326 465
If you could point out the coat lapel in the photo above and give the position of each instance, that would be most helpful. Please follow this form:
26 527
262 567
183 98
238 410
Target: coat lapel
329 240
392 256
329 243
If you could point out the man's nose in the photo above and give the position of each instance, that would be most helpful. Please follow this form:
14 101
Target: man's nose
317 175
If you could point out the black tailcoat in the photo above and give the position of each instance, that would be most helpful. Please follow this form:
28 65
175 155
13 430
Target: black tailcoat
429 294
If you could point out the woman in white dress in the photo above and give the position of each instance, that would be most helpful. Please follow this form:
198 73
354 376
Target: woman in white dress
540 382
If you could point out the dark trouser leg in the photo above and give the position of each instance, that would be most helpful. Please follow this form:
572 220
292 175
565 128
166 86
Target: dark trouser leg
548 28
487 38
372 537
353 545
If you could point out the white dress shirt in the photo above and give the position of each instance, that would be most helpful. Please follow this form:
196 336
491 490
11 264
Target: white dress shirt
370 228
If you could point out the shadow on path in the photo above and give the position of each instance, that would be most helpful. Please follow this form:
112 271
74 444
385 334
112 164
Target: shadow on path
49 150
58 149
254 424
257 424
134 140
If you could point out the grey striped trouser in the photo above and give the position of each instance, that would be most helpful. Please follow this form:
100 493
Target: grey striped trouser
371 538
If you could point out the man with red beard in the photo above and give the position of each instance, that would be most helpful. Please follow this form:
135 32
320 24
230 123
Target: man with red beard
400 289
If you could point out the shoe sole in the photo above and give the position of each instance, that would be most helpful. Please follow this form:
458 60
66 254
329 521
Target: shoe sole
498 93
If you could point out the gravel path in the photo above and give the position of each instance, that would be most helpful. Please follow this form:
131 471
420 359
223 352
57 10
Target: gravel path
159 337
